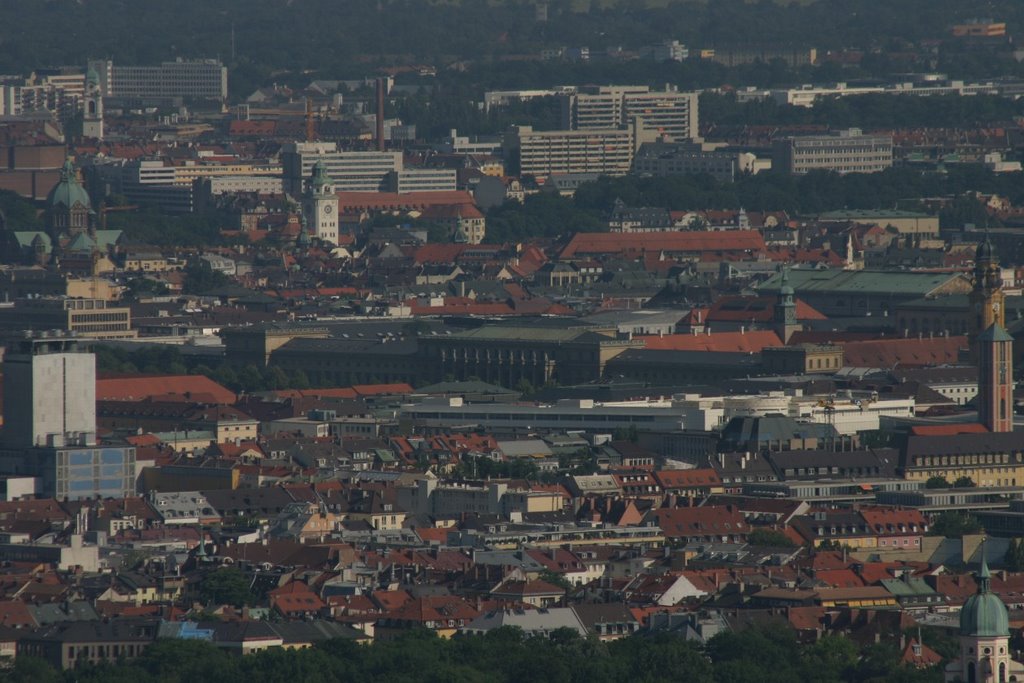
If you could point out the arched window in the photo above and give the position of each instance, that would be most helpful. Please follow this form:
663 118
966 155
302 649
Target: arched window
972 676
1002 672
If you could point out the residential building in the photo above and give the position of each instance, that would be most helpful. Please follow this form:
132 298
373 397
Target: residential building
607 151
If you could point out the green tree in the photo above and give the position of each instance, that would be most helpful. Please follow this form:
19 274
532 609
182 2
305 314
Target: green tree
1014 557
936 482
226 586
28 669
964 483
954 524
769 537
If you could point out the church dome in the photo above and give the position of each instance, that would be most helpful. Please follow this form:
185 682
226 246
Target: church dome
68 191
984 614
985 251
92 77
320 177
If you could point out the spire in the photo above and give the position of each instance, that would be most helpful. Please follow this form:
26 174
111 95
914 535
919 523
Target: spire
984 577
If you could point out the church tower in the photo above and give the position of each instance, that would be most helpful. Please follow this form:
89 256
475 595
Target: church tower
995 379
987 298
92 123
984 637
321 205
68 207
784 320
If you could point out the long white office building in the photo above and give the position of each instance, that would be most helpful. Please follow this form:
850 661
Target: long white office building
349 171
182 78
668 113
683 412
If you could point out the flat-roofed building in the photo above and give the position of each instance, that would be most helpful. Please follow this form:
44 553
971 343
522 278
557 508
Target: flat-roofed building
183 78
348 171
92 318
668 113
846 151
607 151
685 158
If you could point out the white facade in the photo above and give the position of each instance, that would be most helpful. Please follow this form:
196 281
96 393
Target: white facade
49 393
184 78
607 151
683 412
350 171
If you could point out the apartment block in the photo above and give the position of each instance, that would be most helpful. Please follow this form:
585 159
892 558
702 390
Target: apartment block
606 151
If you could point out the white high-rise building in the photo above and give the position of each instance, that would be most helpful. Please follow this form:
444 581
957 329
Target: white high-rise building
49 393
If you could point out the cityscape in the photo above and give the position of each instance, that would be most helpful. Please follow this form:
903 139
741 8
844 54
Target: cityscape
567 340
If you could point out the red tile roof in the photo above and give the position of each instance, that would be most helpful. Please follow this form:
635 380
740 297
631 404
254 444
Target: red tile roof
743 342
948 430
164 386
890 353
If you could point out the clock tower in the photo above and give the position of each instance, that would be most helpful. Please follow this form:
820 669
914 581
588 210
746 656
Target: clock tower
321 205
988 301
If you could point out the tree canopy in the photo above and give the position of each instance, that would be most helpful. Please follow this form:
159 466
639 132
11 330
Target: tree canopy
755 655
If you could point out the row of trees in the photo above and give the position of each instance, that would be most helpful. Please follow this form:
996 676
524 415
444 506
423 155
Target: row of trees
770 654
170 361
549 215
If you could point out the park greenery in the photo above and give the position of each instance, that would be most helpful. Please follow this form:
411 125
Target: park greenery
953 524
768 654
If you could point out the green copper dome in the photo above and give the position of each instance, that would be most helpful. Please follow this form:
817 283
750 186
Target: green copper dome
320 177
984 614
92 77
68 191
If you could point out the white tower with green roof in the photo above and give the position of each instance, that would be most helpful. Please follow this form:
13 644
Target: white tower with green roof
321 205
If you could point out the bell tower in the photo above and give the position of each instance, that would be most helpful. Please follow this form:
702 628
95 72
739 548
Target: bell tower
995 379
92 122
988 301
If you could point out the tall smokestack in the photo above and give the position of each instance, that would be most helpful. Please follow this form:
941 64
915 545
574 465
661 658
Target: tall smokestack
380 114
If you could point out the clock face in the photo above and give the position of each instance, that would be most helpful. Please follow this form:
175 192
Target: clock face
328 208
